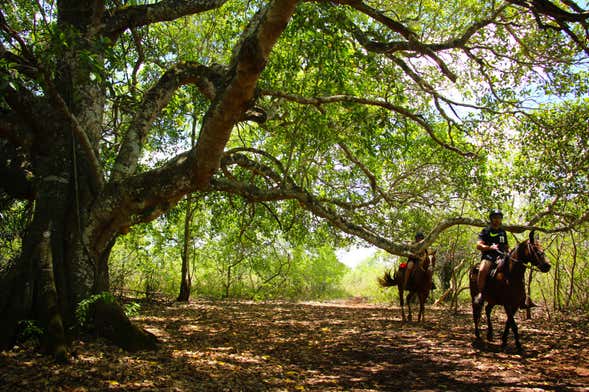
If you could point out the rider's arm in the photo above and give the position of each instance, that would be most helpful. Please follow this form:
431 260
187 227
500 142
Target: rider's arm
484 247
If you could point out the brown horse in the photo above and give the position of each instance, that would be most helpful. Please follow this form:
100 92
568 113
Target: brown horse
419 283
508 290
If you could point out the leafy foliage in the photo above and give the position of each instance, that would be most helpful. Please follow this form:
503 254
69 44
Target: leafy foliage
83 310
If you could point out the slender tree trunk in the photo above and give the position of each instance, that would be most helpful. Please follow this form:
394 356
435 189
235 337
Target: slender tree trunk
185 282
529 294
556 293
228 282
574 265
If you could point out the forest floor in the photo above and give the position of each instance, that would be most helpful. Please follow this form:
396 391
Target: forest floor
343 346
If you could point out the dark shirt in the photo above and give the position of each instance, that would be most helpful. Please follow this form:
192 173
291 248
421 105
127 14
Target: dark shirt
492 236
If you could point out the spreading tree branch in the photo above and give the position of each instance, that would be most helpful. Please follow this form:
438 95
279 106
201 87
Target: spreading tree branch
548 8
120 19
317 101
206 79
413 43
287 189
248 62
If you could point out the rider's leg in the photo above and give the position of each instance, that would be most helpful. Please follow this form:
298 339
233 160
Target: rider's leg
408 270
484 268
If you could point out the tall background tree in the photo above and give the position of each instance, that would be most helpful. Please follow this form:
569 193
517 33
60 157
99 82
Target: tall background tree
377 117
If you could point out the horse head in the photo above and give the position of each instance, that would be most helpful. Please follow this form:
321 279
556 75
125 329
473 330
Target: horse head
534 253
432 257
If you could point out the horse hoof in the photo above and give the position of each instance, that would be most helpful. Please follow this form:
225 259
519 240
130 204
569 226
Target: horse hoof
478 343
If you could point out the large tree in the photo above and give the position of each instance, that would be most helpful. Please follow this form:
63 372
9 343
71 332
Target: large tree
359 111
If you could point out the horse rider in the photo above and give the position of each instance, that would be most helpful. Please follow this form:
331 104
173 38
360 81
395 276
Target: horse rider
415 259
494 248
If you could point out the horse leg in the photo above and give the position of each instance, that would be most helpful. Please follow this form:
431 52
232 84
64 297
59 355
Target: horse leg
409 298
511 319
508 324
422 298
488 310
402 303
476 309
476 316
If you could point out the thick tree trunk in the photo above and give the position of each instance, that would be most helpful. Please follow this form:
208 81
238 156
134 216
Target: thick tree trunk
111 322
81 213
60 264
49 308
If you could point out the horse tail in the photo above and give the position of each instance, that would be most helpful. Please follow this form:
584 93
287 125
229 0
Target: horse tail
387 280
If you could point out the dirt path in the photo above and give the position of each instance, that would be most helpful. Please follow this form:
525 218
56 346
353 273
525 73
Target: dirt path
246 346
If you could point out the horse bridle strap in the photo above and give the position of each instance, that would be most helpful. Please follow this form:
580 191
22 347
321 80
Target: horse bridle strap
527 264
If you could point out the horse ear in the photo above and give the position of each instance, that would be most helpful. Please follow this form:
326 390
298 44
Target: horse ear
532 236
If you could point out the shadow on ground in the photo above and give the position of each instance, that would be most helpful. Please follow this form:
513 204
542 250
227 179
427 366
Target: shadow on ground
248 346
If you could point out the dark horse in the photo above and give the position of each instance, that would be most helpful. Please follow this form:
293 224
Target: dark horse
419 283
508 290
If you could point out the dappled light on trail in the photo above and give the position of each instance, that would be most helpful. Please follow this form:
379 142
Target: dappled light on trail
249 346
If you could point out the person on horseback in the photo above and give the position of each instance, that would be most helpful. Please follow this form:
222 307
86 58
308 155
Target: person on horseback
413 260
493 244
494 249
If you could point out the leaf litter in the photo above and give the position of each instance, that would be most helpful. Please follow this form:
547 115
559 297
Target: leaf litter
287 346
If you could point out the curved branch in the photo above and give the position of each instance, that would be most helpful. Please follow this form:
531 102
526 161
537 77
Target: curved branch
206 79
139 198
288 190
248 62
447 223
310 203
413 42
373 102
547 8
118 20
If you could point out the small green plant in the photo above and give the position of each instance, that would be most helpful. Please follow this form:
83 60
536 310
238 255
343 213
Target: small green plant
131 309
29 331
83 309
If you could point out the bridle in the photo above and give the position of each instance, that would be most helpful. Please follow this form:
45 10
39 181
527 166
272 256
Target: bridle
537 254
